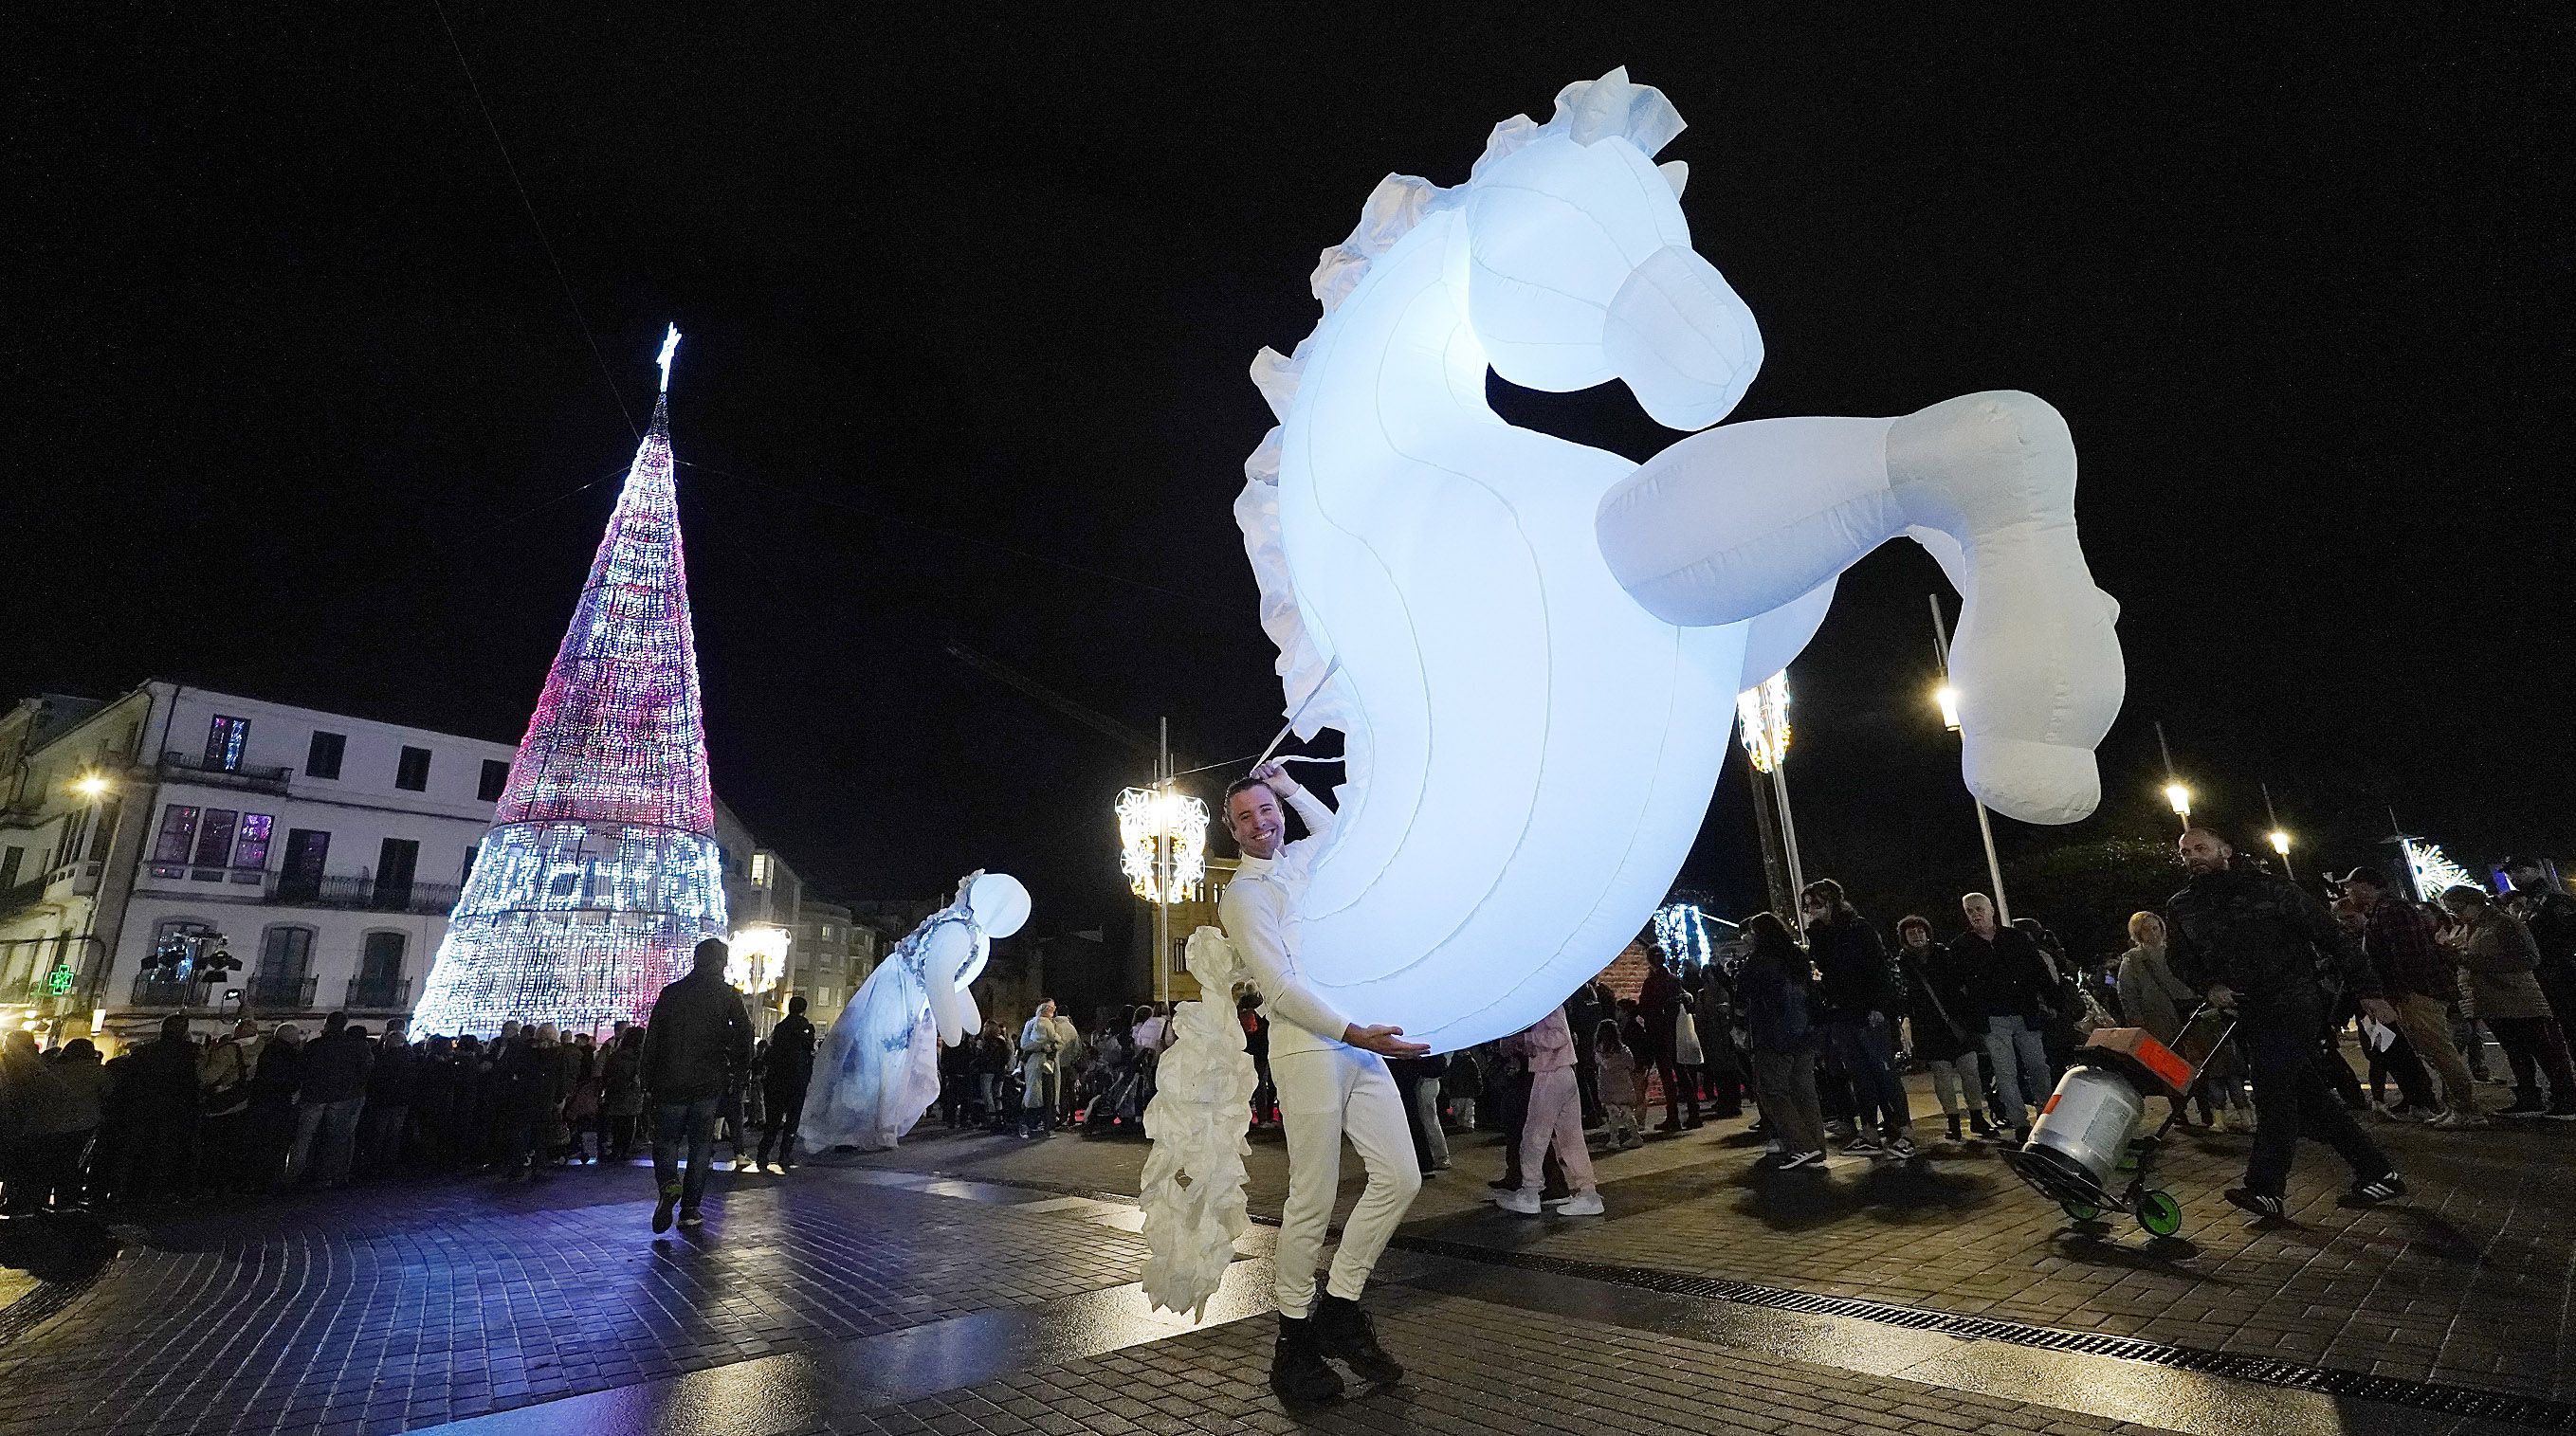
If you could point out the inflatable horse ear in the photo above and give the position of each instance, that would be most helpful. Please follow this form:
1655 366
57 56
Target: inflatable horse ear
1533 648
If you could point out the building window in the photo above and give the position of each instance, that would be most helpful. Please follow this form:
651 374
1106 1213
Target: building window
760 870
178 839
250 850
214 844
382 958
395 860
9 862
300 880
466 874
412 773
496 776
225 739
322 760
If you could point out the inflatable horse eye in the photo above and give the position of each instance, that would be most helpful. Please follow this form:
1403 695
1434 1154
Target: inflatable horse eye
1532 648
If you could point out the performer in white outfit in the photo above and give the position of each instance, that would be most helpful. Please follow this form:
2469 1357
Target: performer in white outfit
1333 1083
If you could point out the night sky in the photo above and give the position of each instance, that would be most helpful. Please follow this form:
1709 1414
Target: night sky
301 409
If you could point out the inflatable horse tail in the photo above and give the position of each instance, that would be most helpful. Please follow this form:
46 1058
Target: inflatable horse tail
1193 1184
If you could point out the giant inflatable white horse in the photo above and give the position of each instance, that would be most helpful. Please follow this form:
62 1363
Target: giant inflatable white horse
1532 648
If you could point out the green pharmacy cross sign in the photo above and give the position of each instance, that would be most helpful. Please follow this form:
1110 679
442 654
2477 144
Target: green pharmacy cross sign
60 980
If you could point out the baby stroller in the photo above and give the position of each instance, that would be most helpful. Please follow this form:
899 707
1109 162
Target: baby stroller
2085 1152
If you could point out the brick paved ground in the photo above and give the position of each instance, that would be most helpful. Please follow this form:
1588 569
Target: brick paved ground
2468 1282
1479 1370
390 1309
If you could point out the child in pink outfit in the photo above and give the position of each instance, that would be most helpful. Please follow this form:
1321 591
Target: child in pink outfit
1555 1118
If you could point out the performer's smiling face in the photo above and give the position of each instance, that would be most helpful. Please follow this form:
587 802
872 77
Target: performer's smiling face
1254 818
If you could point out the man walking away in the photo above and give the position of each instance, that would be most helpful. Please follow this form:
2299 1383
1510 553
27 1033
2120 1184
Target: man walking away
1333 1084
2008 991
1859 1017
2397 940
790 1069
698 1040
224 1072
2251 942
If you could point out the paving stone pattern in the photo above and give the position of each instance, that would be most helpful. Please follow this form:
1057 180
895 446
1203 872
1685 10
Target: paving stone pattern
2468 1282
384 1310
1478 1370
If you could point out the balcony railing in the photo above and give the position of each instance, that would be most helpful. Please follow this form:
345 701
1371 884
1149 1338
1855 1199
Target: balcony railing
25 894
364 893
162 992
275 993
194 767
379 994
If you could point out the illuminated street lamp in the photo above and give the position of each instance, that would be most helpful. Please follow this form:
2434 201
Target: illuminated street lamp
1762 722
1948 698
91 785
2180 797
756 959
2279 837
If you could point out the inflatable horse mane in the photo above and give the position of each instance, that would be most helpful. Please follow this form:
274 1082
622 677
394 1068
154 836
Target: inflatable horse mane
1532 648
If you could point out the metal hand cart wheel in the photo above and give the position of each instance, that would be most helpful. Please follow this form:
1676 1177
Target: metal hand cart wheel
2086 1152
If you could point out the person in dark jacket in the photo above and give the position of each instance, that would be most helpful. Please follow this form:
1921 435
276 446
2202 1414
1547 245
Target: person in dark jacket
2008 991
2254 942
2550 914
393 1086
272 1105
1659 1001
697 1043
1936 1006
1859 1000
331 1089
156 1094
1772 986
788 1071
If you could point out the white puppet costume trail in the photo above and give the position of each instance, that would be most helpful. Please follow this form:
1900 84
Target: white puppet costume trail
1193 1184
879 1070
1533 648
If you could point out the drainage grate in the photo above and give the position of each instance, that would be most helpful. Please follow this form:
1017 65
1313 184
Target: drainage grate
2268 1371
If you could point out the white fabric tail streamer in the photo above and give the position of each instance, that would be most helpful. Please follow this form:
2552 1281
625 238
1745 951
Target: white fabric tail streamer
1202 1108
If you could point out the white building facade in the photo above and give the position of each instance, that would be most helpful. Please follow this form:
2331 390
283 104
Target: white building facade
322 851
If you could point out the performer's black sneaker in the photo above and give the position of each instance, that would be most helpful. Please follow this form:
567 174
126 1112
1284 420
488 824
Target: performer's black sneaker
1344 1331
1297 1371
662 1209
2385 1188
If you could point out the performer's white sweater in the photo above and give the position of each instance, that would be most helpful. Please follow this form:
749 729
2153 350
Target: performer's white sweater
1259 916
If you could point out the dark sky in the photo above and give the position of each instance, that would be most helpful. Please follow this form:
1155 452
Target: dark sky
298 401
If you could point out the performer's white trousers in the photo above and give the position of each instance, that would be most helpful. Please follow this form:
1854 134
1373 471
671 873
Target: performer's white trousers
1325 1096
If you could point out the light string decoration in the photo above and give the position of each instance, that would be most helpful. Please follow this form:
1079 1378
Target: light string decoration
1146 815
1681 930
2432 869
601 872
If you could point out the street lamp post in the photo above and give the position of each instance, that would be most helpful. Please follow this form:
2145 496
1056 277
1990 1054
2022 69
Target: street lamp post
1162 835
1948 698
2279 836
1762 722
2176 793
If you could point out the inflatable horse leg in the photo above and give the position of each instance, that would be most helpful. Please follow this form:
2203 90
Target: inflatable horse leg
1734 522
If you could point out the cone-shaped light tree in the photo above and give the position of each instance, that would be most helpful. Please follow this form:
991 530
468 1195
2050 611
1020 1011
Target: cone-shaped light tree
601 871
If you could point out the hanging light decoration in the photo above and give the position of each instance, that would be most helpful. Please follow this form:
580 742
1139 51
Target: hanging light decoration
601 872
756 960
1149 815
1762 721
1681 930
